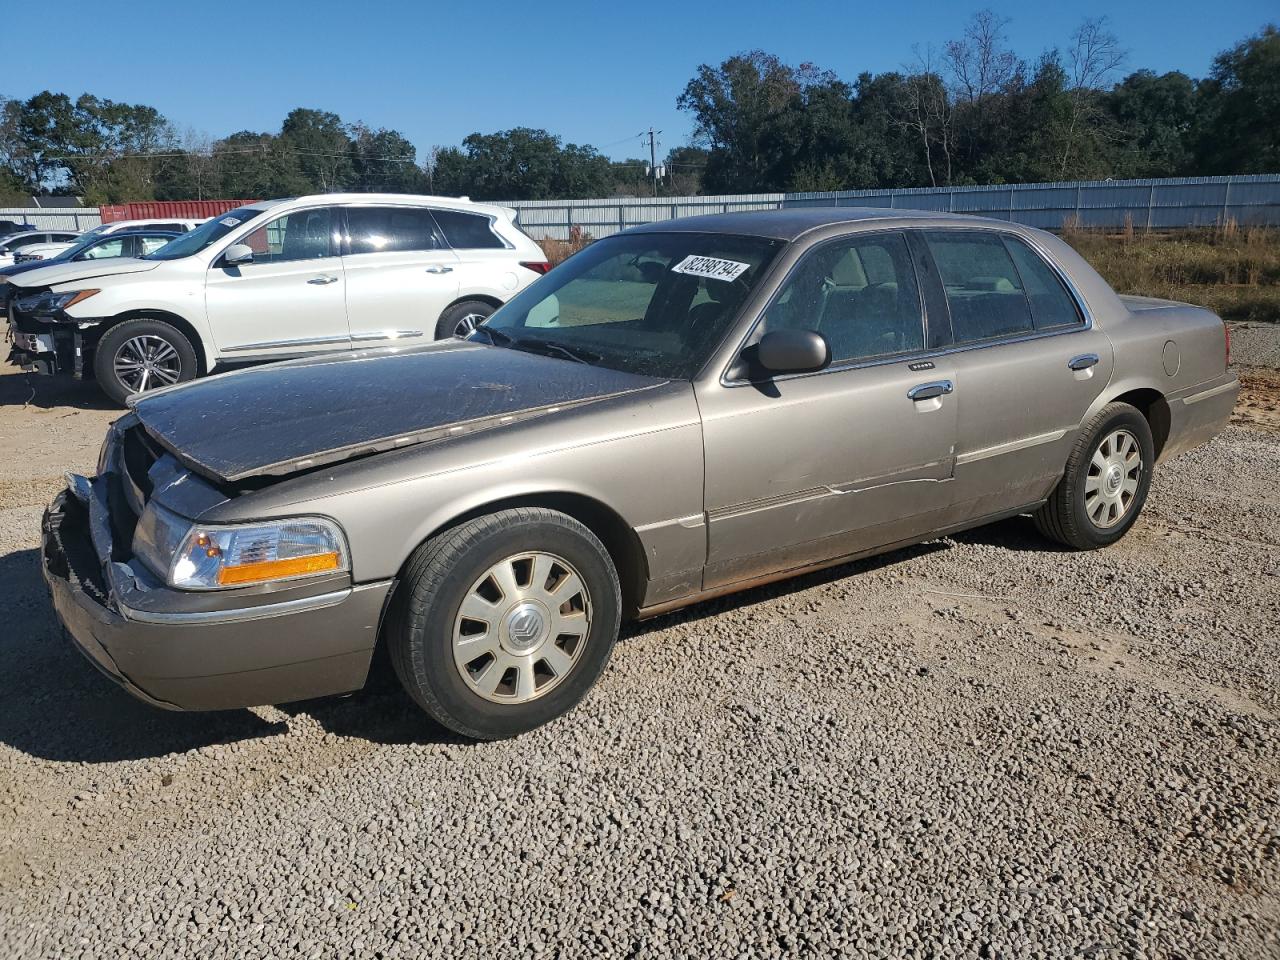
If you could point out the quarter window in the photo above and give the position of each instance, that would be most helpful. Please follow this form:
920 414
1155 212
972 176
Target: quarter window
1052 306
468 231
391 230
860 294
984 290
301 235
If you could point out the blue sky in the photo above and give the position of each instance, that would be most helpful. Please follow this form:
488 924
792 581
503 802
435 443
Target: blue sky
593 73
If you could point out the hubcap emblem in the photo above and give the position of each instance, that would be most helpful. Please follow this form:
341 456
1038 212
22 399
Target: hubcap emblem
525 626
1115 476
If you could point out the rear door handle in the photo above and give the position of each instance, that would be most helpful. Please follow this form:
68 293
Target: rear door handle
439 268
1083 362
322 280
928 391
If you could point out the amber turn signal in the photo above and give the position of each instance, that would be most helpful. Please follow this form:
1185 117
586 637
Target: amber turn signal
277 569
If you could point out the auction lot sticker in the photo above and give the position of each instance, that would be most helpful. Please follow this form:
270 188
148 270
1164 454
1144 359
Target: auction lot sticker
710 267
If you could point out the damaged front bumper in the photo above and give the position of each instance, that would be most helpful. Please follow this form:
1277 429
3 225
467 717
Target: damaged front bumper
208 651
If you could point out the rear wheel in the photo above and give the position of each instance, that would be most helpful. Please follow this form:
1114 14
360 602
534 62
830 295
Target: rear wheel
503 623
141 355
461 319
1105 484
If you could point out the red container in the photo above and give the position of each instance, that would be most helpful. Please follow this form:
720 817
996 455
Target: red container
161 209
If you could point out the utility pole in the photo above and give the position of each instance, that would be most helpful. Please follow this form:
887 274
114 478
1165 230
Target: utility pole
653 159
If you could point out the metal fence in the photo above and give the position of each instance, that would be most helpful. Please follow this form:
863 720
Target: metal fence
53 218
1147 204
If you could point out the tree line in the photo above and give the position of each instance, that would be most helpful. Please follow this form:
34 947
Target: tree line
970 111
974 112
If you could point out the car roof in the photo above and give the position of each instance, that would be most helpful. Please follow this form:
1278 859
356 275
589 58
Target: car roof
411 199
793 223
144 232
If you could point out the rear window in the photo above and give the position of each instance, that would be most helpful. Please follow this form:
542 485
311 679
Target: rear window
468 231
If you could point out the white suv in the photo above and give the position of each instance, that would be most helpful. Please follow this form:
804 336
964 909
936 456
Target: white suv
272 280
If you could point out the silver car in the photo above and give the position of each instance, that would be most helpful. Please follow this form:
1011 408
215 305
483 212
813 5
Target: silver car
680 411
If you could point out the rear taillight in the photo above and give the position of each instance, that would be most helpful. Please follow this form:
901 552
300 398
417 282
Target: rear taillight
537 266
1226 337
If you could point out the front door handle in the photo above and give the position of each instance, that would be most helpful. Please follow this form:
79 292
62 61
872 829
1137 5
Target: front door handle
439 268
1083 362
323 279
928 391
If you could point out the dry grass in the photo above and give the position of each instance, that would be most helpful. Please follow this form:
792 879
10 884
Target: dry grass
1231 270
558 251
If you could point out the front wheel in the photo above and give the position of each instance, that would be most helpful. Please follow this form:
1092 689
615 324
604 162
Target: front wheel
504 622
141 355
461 319
1105 484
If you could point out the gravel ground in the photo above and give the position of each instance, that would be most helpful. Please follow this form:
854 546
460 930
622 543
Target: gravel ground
978 747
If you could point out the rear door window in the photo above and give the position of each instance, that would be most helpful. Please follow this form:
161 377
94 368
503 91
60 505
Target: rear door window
984 289
468 231
391 230
1052 306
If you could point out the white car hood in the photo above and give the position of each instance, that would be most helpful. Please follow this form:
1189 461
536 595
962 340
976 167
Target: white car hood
59 273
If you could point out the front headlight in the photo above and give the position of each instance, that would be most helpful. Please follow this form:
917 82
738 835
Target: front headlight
50 301
218 556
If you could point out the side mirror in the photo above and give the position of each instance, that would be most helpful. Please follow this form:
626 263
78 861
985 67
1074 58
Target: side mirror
237 254
793 351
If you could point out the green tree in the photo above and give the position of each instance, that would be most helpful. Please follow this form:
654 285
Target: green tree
1153 115
521 164
746 112
1239 127
684 170
323 148
258 166
384 161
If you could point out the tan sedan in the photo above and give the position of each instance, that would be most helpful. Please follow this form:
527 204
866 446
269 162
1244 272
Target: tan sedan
679 411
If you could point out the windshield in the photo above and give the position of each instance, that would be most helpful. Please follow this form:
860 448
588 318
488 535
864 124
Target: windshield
208 233
649 303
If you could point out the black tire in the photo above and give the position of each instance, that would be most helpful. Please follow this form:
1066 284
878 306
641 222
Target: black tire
1065 517
117 341
460 319
439 576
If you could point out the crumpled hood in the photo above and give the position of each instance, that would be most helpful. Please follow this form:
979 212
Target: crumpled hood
59 273
288 417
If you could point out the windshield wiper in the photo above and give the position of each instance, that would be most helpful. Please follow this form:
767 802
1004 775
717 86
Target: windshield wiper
538 345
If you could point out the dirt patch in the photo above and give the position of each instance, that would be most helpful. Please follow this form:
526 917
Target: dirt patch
1259 403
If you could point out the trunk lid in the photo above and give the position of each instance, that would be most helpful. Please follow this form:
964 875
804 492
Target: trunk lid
289 417
1140 304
